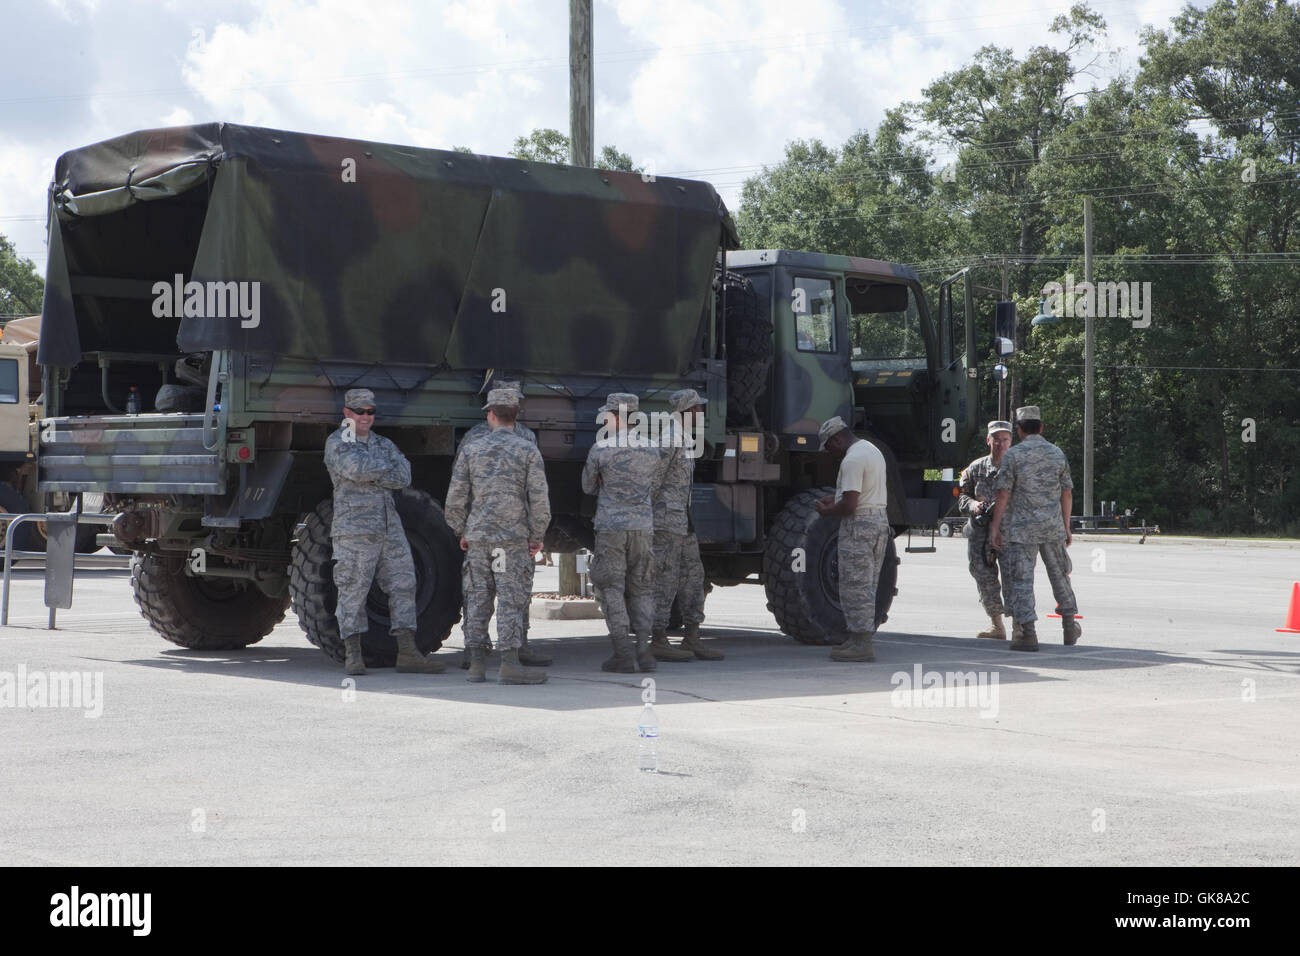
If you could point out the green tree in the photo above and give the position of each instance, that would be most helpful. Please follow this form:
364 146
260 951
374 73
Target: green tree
551 146
21 287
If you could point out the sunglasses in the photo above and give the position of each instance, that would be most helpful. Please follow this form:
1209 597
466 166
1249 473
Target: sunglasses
364 411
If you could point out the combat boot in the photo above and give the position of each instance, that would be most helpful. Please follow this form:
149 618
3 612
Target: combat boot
1015 631
355 663
1028 639
1072 629
691 641
663 651
477 663
409 658
645 659
857 648
531 658
512 672
622 662
997 631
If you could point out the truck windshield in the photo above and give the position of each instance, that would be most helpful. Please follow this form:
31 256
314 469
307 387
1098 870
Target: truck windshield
884 325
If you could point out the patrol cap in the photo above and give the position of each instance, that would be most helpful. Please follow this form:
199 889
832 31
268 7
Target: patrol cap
999 427
686 398
356 398
515 387
629 402
502 396
830 427
1029 413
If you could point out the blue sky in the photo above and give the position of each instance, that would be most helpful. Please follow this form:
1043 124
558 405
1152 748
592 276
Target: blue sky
706 90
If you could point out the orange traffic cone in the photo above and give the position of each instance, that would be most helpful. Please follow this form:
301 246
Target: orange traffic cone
1292 613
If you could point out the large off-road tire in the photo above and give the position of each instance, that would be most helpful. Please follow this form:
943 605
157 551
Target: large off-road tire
202 613
437 556
749 346
27 536
807 602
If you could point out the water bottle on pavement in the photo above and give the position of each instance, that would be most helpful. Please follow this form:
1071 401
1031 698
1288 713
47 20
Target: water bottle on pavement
648 731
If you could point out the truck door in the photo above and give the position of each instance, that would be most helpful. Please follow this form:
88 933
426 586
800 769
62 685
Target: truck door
957 405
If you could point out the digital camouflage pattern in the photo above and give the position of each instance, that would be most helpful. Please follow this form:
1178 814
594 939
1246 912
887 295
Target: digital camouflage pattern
678 573
672 500
1035 472
977 486
364 471
862 543
625 479
483 429
498 491
480 431
497 573
622 567
498 501
383 559
1018 561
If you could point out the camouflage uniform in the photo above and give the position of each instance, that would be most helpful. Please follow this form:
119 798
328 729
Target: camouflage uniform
498 501
977 486
679 572
369 543
622 565
477 433
1035 472
862 544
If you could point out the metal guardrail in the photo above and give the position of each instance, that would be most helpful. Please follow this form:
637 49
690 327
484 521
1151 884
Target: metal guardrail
86 560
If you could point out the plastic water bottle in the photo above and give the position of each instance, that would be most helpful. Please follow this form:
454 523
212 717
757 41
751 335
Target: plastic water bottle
133 401
648 731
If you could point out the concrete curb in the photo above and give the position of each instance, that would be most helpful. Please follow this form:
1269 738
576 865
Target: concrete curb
548 609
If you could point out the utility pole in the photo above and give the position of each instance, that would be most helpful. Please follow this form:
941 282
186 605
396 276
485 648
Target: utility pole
1002 382
582 118
1089 358
582 122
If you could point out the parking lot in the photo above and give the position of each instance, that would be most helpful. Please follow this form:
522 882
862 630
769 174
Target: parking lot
1166 737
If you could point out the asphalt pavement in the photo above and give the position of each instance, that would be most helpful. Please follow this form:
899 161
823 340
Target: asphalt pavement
1167 736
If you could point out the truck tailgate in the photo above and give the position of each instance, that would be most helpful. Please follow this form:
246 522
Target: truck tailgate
143 454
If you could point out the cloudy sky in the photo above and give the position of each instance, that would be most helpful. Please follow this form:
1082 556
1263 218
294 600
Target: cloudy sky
709 90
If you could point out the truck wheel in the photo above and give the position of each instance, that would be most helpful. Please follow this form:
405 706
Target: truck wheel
437 556
749 347
203 613
806 602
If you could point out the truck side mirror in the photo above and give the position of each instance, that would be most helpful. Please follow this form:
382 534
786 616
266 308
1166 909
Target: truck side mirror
1004 329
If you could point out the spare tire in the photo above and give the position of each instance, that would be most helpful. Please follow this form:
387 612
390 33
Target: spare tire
437 557
805 595
749 345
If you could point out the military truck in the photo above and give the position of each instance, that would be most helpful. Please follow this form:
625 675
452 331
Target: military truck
237 281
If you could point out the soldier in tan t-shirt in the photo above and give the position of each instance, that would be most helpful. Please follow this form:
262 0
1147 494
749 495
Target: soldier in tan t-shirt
859 503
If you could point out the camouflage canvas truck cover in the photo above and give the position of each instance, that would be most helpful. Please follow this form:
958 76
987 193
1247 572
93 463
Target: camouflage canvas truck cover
234 282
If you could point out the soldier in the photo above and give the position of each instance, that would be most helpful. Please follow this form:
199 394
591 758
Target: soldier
679 572
498 504
369 543
625 470
1032 517
527 655
977 501
860 503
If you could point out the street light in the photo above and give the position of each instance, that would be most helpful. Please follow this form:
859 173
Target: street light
1045 315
